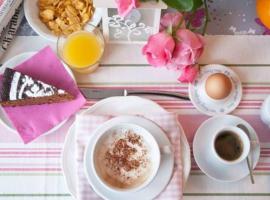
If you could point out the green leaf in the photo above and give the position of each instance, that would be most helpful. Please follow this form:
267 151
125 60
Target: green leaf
197 4
180 5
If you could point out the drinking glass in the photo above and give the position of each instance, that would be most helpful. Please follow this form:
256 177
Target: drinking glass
82 50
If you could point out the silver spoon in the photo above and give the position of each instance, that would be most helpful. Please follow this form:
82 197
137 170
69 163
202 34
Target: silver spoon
249 163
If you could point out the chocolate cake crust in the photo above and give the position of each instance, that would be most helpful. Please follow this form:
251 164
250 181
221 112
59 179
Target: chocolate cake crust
8 74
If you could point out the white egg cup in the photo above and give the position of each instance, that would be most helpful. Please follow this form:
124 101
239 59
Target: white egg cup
208 105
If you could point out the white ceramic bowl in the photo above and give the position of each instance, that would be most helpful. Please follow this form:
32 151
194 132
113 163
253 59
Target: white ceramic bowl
110 127
31 12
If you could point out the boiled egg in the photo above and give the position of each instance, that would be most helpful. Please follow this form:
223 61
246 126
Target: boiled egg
218 86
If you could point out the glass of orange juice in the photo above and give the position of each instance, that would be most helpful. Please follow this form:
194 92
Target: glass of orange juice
82 50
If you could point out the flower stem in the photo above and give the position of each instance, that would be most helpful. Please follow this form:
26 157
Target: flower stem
174 30
178 27
180 23
206 17
170 30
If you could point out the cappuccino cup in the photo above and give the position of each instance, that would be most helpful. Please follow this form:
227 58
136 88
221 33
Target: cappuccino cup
230 145
125 157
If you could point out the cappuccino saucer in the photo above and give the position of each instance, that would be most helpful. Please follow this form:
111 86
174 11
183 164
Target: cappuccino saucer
207 105
161 177
209 164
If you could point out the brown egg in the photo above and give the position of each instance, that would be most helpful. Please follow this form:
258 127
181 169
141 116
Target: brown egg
218 86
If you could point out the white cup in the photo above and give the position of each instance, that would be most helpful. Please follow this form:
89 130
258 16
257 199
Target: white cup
154 155
265 111
242 136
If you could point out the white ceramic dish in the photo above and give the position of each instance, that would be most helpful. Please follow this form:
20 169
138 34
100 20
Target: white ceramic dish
209 164
157 180
121 106
31 12
205 104
12 63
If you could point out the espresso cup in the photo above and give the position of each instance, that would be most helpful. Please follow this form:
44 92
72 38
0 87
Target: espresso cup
104 169
230 145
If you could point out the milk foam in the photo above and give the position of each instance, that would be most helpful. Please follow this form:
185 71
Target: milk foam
123 178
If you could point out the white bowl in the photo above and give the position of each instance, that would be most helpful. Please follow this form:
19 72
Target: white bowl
116 125
31 12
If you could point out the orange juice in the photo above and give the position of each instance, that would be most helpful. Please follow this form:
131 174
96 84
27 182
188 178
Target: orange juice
82 49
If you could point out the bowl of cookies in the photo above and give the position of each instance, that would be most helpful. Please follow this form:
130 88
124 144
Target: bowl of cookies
52 18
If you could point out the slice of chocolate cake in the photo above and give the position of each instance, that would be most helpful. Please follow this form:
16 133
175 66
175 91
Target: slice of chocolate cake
19 89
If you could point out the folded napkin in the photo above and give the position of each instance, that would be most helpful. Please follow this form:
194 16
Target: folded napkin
33 121
85 124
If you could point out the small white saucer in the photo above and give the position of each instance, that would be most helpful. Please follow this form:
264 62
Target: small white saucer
209 106
12 63
209 164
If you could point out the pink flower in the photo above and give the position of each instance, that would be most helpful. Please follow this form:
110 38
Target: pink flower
189 73
158 49
187 50
125 6
172 19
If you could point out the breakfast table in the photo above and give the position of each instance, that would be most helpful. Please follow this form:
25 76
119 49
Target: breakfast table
234 39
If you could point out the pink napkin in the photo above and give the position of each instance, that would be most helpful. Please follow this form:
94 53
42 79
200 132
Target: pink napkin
85 124
33 121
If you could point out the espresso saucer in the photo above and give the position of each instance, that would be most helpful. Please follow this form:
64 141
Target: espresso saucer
209 106
211 166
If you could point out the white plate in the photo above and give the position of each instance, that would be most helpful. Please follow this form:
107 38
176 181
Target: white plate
12 63
205 104
162 177
117 106
31 12
211 166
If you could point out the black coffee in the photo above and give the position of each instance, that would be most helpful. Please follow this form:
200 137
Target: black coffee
228 146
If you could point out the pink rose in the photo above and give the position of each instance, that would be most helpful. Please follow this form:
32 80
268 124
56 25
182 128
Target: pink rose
187 50
125 6
189 73
158 49
172 19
